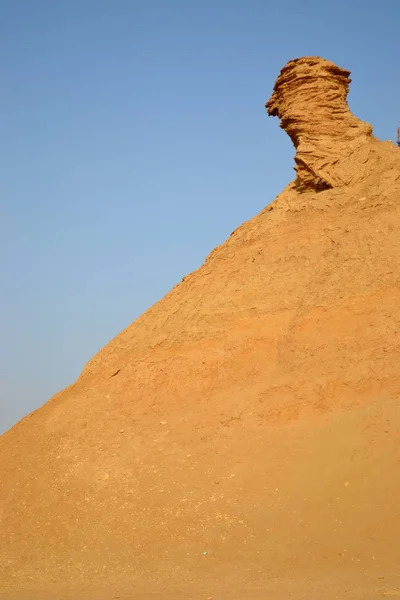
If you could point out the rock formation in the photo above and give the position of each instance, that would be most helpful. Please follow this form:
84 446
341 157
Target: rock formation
332 144
241 438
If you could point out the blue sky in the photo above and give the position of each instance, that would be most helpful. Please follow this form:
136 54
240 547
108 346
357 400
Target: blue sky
134 140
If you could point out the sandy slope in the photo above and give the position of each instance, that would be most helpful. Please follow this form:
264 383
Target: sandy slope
241 439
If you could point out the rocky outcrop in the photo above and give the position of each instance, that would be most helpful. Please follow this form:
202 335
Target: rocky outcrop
331 144
241 438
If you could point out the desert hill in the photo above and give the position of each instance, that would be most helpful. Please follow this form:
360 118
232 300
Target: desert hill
241 439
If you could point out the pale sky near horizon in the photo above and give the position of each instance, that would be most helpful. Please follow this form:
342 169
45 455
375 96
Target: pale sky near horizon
134 140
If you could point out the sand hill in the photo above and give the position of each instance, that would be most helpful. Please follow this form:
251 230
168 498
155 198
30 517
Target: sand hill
241 439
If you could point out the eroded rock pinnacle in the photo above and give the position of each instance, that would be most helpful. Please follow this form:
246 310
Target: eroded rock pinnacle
309 97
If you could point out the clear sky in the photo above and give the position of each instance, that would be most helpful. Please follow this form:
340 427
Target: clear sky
134 140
